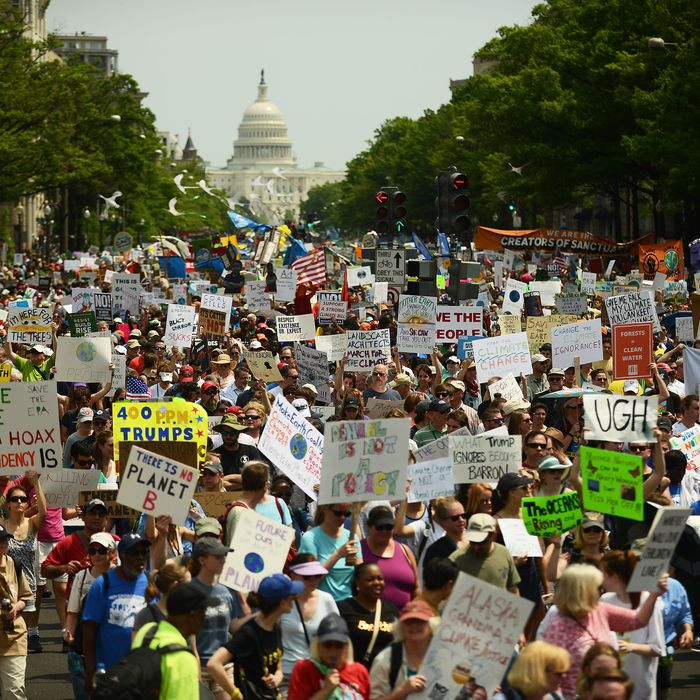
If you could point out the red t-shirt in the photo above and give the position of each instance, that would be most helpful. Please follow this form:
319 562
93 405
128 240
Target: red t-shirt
306 680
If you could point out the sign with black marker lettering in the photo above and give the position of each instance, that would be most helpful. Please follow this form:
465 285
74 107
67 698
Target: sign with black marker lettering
620 418
477 458
548 516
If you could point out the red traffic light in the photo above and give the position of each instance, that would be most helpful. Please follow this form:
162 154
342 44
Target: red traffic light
459 181
382 197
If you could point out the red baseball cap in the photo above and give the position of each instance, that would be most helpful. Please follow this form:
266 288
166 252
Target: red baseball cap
209 385
186 373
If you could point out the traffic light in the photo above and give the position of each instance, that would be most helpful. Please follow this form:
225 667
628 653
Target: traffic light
398 211
383 213
453 204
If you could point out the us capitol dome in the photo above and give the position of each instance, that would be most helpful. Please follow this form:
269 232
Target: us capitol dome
263 168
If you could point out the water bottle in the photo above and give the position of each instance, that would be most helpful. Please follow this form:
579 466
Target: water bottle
100 673
7 624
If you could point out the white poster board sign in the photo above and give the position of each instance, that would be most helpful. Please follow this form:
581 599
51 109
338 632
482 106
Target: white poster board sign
179 325
156 485
588 283
484 457
548 290
62 487
286 284
501 355
293 445
83 359
257 298
260 547
507 387
218 302
637 307
518 541
620 418
358 276
479 630
290 328
514 296
684 329
417 323
365 460
334 346
583 340
312 366
430 480
30 436
368 348
126 290
263 365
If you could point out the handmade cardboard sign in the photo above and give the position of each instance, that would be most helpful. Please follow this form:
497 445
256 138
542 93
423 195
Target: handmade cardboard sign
62 487
620 418
29 326
214 503
367 348
501 355
612 483
156 485
263 365
83 360
291 328
364 460
477 458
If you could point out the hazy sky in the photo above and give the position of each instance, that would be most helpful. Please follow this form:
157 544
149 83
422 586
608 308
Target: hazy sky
337 70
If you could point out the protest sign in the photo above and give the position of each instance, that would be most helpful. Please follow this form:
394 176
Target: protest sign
684 329
259 549
665 257
620 418
109 497
510 324
675 291
82 323
212 325
286 284
293 445
479 628
416 323
513 297
430 480
548 290
157 485
637 307
582 339
263 365
484 457
331 307
29 429
214 502
465 346
507 387
381 292
501 355
571 303
364 460
29 326
257 298
126 288
62 487
367 348
633 350
179 325
102 305
454 322
539 329
83 359
358 276
82 298
518 541
666 530
312 366
588 282
612 483
180 426
548 516
334 346
376 408
119 375
5 372
290 328
217 302
533 304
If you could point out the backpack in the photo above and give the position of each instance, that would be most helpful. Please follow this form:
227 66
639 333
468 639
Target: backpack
395 663
137 676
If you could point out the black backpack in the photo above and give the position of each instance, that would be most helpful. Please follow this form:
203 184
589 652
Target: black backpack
137 676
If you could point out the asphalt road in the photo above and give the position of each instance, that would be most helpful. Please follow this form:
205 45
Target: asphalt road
47 673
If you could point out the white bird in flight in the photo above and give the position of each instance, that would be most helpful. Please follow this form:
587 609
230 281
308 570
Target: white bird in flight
171 207
277 172
111 202
234 201
518 170
205 187
258 182
270 186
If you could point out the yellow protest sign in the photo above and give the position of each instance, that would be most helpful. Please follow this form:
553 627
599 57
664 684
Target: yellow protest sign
539 328
5 372
179 427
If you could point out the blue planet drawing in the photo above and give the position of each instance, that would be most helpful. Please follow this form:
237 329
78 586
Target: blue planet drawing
86 351
298 446
253 562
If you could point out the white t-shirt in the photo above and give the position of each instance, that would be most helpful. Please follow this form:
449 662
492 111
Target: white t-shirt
81 585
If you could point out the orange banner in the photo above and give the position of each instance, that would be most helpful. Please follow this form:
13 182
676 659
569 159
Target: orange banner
665 257
568 242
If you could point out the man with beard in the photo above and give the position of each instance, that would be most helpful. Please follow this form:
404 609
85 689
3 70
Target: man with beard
210 397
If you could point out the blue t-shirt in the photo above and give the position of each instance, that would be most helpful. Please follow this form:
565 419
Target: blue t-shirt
339 581
114 614
217 619
270 510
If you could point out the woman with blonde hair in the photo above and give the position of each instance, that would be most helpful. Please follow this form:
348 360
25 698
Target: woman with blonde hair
254 415
160 583
581 619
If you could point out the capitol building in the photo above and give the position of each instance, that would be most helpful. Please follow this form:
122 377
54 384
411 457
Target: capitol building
263 169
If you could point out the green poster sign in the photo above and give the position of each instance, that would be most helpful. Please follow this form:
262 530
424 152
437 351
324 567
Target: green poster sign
81 324
612 483
548 516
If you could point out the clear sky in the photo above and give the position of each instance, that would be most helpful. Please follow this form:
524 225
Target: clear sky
337 70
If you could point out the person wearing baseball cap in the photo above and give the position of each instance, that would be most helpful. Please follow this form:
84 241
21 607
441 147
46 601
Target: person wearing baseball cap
36 367
234 455
328 666
212 476
403 384
255 648
210 397
536 382
483 557
437 423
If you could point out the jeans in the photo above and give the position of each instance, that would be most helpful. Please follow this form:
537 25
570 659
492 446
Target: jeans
76 668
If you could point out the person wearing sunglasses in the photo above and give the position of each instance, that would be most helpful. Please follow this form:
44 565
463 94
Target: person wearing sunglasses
536 446
82 432
328 673
253 418
300 624
449 514
378 388
329 541
101 550
210 397
23 545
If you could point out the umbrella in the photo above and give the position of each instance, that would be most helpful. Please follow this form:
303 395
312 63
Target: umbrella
571 393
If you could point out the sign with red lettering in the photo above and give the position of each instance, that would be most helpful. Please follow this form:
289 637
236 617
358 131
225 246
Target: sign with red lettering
453 322
632 349
156 485
29 430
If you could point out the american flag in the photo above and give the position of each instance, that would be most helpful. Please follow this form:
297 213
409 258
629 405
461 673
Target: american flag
560 260
137 389
311 269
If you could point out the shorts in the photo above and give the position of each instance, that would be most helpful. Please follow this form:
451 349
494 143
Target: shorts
212 684
43 551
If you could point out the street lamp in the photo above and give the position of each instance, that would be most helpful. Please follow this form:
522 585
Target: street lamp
48 213
656 42
142 223
86 218
19 211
